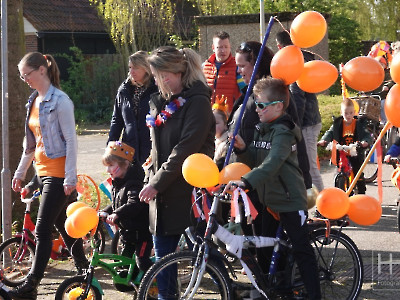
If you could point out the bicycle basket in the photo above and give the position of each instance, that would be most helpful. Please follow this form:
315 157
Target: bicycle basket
370 107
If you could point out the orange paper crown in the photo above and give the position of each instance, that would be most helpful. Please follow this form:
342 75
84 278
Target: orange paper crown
221 103
120 149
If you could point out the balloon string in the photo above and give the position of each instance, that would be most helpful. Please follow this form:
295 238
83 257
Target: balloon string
249 89
283 27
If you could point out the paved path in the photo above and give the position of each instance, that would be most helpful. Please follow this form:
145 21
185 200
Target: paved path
380 238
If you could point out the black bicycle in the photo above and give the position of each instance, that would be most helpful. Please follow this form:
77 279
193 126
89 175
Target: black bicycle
204 273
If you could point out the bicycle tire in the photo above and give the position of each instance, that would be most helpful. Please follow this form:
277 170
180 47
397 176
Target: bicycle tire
340 265
341 181
4 295
74 282
15 273
370 170
215 283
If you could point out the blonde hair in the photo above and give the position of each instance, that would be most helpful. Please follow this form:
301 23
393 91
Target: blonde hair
36 59
184 61
347 103
139 59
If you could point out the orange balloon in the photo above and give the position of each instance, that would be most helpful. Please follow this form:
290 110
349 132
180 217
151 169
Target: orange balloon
74 206
287 64
233 171
72 231
84 219
363 74
395 68
392 105
333 203
364 210
200 170
308 29
317 76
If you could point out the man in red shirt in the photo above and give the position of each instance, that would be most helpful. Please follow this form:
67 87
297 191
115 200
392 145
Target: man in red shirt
221 71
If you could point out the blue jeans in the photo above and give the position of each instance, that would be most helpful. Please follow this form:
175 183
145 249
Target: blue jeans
310 135
166 280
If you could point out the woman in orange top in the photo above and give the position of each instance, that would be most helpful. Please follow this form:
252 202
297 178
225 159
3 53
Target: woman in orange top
50 140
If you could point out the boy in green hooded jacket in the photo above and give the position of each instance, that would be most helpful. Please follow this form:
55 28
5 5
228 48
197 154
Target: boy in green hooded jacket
276 175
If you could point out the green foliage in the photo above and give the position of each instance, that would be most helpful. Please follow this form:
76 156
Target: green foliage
88 87
137 25
328 106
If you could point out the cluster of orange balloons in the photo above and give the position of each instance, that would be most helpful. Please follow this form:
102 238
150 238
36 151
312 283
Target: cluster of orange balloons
201 171
334 203
80 219
307 30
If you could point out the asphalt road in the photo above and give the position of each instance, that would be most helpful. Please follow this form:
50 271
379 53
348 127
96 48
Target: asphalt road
382 238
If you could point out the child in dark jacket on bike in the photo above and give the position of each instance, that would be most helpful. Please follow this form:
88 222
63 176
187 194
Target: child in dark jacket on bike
347 130
126 211
276 174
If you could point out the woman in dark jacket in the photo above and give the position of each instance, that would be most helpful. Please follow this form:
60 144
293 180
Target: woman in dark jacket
132 105
181 123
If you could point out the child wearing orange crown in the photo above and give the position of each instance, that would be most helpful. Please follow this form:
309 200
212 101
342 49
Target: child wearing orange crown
126 210
220 110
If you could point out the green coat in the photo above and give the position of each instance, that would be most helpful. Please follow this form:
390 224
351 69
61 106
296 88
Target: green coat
191 129
275 170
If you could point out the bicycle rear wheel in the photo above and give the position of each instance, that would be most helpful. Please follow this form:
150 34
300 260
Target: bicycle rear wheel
15 260
215 283
370 170
340 265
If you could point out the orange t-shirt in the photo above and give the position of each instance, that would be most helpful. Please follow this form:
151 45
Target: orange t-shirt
348 132
45 166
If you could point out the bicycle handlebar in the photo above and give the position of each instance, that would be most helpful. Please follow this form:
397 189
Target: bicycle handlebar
36 195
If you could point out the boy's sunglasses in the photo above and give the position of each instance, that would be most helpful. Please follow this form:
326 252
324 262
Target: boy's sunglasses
262 105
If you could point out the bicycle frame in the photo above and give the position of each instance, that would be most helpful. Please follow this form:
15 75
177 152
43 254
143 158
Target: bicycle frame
29 226
259 281
99 260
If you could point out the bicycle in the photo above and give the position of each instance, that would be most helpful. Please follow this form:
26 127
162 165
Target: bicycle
339 263
370 109
17 253
345 173
125 274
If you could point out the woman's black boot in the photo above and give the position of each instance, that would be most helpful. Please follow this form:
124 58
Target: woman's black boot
27 290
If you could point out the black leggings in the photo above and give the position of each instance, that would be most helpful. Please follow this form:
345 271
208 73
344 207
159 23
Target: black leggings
53 204
295 225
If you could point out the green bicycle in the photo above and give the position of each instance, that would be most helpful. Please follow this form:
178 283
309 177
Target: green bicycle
125 274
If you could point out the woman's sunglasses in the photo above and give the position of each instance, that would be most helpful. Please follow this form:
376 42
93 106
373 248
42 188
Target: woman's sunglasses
245 47
262 105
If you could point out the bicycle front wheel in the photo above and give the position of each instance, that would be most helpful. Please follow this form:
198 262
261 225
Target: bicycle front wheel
340 265
16 260
215 283
73 287
341 181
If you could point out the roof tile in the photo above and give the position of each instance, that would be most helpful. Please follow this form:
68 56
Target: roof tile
63 15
